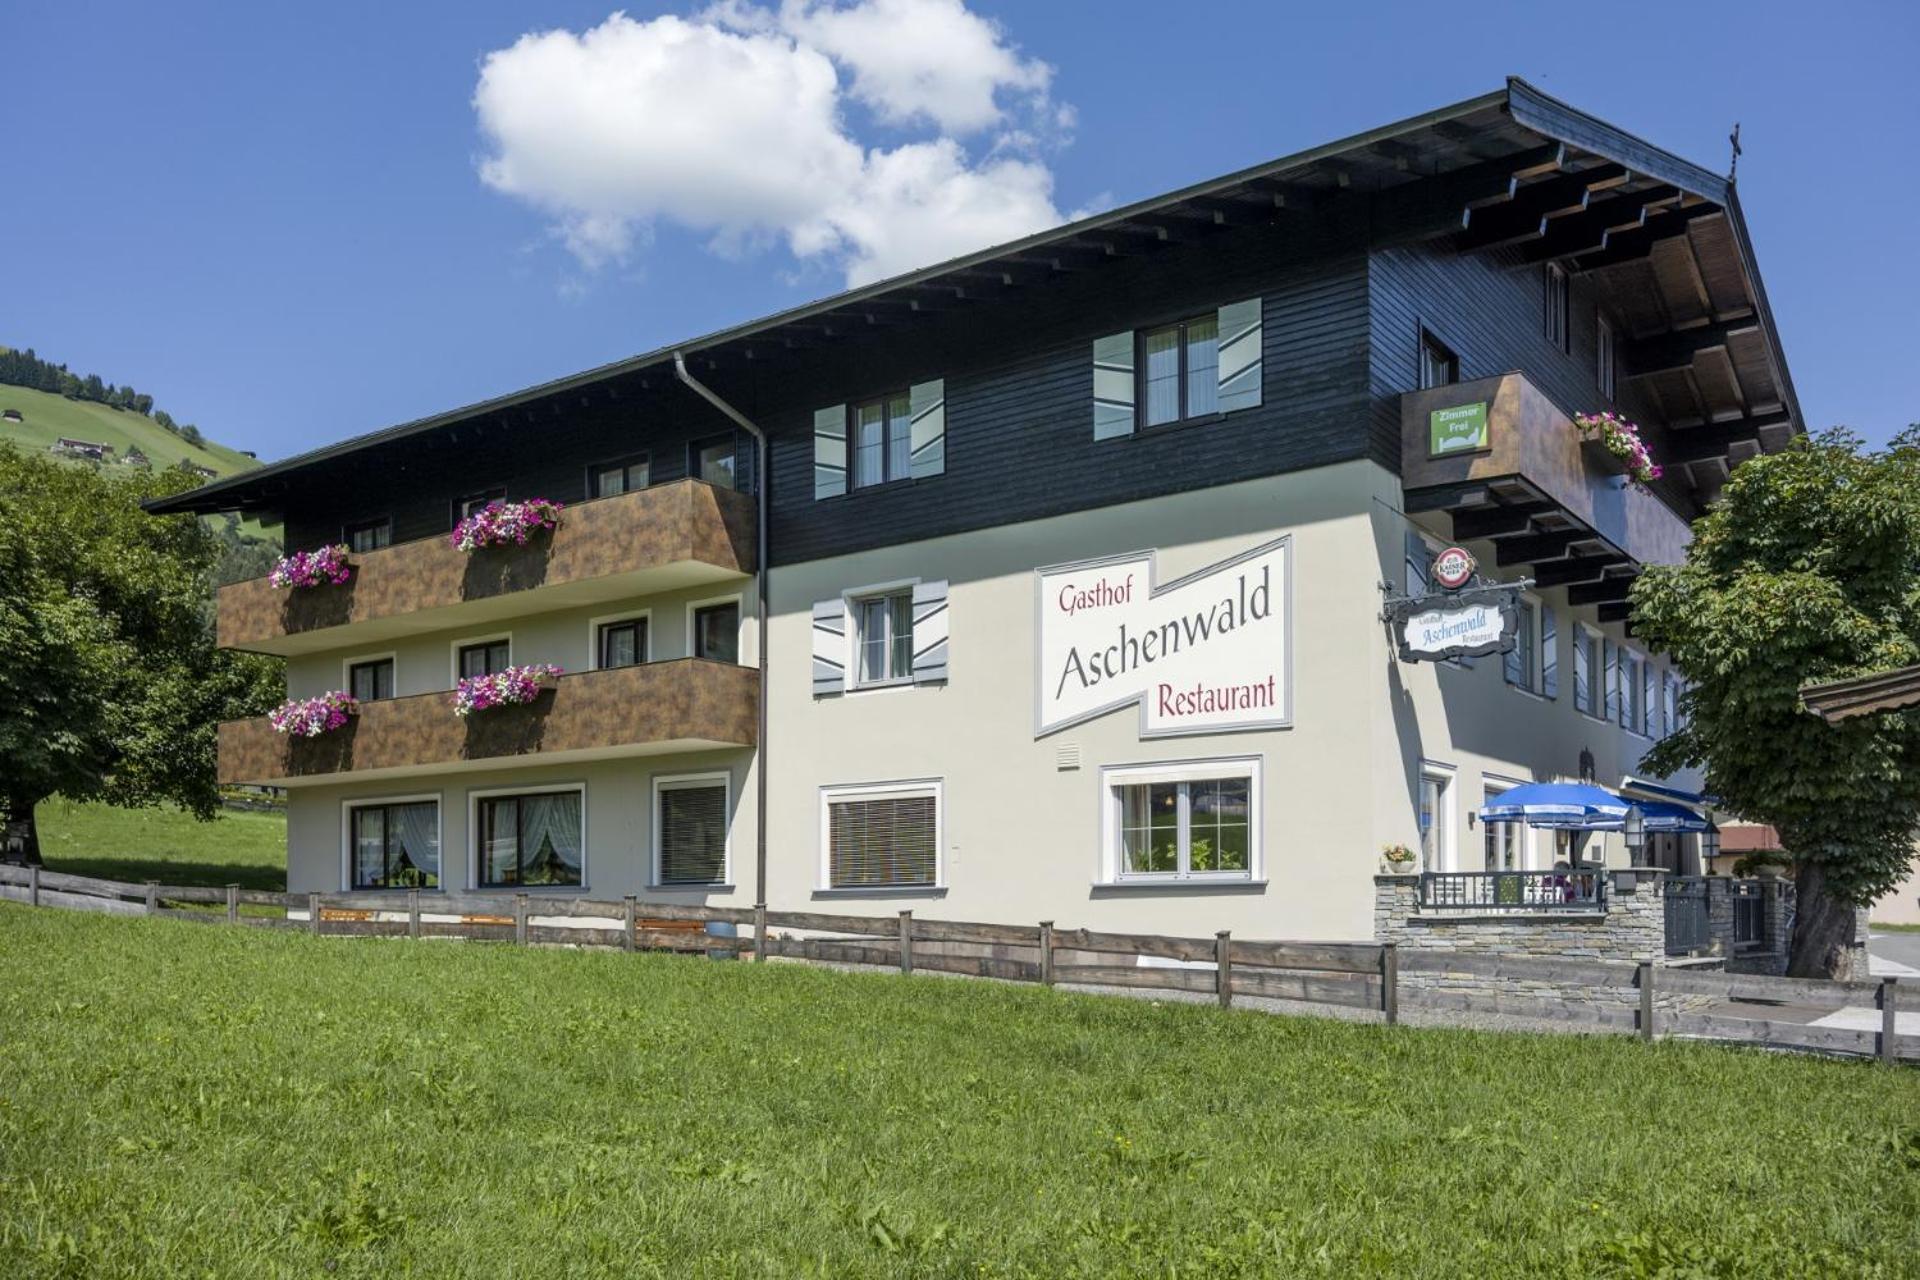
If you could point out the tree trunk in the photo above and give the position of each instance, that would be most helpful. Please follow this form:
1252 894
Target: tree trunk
1822 926
20 838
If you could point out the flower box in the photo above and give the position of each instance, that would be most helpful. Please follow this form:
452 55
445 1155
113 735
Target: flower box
311 717
327 566
506 524
509 687
1613 444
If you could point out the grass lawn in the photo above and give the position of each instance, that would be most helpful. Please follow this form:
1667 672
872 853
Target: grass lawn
185 1099
165 844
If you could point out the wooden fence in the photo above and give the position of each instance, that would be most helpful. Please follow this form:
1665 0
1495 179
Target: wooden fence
1361 975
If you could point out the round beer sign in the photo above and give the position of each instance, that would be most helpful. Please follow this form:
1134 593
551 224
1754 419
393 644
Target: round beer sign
1452 568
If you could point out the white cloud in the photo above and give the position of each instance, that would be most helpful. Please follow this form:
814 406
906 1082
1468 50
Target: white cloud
734 125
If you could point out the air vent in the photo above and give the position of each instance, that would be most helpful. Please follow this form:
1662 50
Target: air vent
1066 756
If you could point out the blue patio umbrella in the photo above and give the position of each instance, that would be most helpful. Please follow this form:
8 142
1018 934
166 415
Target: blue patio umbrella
1576 806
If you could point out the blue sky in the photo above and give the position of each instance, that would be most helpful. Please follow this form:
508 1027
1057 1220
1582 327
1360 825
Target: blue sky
282 222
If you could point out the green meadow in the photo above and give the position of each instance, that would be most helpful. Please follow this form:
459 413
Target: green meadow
187 1099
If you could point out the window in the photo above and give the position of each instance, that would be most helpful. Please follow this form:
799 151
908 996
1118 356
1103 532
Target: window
1436 820
370 535
1522 662
1604 371
610 479
1589 678
395 845
371 680
716 632
1670 703
690 829
533 839
1558 311
482 658
620 643
883 638
882 837
882 440
1506 841
713 460
1183 822
1180 371
1630 711
1439 367
1649 697
464 507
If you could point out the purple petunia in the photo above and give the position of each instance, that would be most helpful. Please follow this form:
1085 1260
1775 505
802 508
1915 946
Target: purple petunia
1620 438
511 686
311 717
502 524
313 568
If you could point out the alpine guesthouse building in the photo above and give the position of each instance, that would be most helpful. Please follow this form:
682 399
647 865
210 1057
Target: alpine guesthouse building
1053 582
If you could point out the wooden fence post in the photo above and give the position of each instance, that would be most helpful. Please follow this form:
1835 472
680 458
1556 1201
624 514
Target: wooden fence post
413 913
628 918
906 942
1046 952
520 918
1889 1003
1223 967
153 896
759 932
233 904
1390 981
1646 1000
313 914
33 885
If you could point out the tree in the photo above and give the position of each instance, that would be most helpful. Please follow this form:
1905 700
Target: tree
165 420
1807 569
110 684
191 434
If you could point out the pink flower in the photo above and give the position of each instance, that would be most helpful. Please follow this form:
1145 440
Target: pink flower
312 568
511 686
311 717
500 524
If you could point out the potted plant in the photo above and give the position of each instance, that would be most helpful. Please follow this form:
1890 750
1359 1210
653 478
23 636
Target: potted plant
506 524
508 687
1614 444
1396 859
311 717
327 566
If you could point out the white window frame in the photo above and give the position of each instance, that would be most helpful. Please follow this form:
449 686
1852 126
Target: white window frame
850 601
738 600
1492 785
361 659
1447 846
685 782
1590 642
823 868
453 654
370 802
631 615
1112 870
1633 712
473 840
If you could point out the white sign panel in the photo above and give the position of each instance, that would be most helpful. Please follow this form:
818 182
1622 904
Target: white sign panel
1207 653
1462 628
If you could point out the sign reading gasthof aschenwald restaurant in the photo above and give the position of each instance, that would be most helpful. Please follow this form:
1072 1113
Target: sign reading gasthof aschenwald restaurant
1207 653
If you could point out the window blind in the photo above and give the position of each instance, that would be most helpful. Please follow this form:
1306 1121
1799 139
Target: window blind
693 834
882 842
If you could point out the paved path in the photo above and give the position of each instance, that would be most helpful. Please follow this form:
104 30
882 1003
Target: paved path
1894 955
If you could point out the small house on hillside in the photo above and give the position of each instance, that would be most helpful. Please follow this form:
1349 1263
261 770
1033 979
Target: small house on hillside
134 457
11 415
205 473
82 449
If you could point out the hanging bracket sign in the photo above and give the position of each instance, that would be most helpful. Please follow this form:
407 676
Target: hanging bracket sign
1468 618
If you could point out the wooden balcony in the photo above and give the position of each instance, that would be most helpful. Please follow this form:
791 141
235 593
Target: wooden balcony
682 534
1547 500
689 704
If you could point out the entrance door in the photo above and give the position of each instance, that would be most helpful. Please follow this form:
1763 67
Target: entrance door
1433 822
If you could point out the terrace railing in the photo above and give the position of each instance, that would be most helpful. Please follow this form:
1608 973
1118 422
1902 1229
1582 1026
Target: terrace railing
1749 913
1517 892
1689 925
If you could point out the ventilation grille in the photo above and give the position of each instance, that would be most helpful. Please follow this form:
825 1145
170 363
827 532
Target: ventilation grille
1066 756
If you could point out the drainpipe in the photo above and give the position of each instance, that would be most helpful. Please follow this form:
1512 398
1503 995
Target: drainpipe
760 478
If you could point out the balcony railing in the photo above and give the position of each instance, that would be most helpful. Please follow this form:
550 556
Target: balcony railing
689 704
675 535
1516 892
1749 913
1501 444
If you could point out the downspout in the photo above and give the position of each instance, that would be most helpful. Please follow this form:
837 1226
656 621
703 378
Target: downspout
760 485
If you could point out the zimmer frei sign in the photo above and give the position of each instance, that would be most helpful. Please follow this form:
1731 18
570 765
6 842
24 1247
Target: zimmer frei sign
1206 653
1461 620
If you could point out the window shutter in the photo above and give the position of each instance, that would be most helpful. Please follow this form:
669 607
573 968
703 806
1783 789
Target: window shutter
882 842
1510 664
1240 355
1610 680
929 633
829 648
927 409
1417 557
1113 386
1649 695
1549 652
830 451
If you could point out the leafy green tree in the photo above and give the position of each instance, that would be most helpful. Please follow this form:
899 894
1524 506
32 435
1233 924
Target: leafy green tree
191 434
110 684
1807 569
